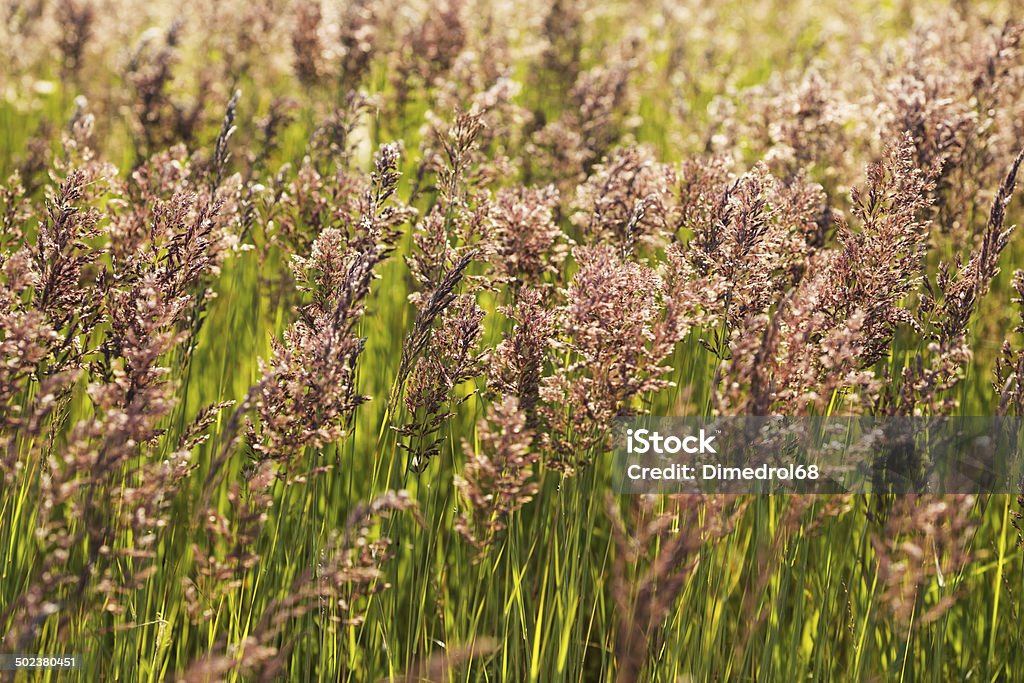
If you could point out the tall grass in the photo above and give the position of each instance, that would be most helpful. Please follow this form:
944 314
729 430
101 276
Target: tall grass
313 320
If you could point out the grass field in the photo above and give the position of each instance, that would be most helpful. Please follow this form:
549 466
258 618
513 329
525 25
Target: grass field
314 318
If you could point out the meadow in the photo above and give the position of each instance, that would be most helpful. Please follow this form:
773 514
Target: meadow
315 317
